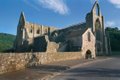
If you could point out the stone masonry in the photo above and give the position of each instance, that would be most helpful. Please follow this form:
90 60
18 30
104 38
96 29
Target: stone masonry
38 44
38 38
16 61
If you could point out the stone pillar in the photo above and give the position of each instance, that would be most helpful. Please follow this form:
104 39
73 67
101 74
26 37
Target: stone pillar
42 30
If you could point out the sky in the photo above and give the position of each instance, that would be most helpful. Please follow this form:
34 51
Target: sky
58 13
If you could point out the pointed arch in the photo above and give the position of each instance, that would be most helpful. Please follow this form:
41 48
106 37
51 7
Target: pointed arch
98 30
96 9
88 54
97 24
22 19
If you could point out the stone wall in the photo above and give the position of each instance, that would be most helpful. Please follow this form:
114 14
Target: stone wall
15 61
11 62
37 30
88 44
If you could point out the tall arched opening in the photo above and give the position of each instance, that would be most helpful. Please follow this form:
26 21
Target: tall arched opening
98 34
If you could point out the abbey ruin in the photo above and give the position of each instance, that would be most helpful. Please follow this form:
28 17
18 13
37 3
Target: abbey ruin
88 37
38 44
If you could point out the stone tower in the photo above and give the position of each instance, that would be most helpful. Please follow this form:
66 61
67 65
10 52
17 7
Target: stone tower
20 32
95 20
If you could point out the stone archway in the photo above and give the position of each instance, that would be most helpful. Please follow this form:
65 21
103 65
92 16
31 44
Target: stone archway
98 35
98 30
88 54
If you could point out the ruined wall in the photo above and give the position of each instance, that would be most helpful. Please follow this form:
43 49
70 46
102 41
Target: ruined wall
12 62
88 44
37 30
15 61
27 32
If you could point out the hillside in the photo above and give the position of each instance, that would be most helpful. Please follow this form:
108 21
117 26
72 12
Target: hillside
6 41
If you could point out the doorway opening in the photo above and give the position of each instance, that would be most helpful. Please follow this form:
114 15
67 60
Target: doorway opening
88 54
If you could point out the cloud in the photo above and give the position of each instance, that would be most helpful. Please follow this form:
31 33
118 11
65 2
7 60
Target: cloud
55 5
58 6
110 24
115 2
32 4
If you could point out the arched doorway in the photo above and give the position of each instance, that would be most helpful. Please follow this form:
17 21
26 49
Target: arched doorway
88 54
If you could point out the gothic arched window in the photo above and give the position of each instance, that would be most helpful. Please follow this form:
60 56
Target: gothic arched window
97 24
98 30
97 10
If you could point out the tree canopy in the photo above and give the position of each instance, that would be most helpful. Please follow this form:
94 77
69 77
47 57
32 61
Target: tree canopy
114 35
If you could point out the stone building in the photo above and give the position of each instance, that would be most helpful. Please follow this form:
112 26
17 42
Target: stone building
95 20
88 37
27 32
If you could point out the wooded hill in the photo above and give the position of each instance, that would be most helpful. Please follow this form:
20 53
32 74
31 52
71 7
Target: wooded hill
6 41
114 35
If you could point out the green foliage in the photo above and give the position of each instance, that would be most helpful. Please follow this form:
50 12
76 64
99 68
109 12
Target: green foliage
6 41
114 34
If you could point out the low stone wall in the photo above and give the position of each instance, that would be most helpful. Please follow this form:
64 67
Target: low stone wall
15 61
